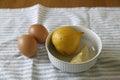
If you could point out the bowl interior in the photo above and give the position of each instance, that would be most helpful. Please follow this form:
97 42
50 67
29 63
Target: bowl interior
89 38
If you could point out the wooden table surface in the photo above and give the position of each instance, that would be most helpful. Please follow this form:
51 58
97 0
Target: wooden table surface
59 3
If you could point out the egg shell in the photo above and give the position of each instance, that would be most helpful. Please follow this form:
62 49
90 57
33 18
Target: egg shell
39 32
27 45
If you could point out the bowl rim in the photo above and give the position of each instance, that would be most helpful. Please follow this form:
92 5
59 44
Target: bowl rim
73 26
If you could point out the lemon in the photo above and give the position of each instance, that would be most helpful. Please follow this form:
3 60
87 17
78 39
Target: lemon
66 40
82 56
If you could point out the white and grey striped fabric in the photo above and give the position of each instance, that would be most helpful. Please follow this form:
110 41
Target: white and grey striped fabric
15 22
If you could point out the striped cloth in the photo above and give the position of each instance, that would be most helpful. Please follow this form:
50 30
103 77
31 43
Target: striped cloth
15 22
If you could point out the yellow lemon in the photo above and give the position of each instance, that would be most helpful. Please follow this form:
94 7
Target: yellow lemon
66 40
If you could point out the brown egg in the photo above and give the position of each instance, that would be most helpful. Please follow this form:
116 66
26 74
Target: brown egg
27 45
39 32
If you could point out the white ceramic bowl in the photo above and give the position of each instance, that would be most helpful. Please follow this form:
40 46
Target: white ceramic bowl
63 62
